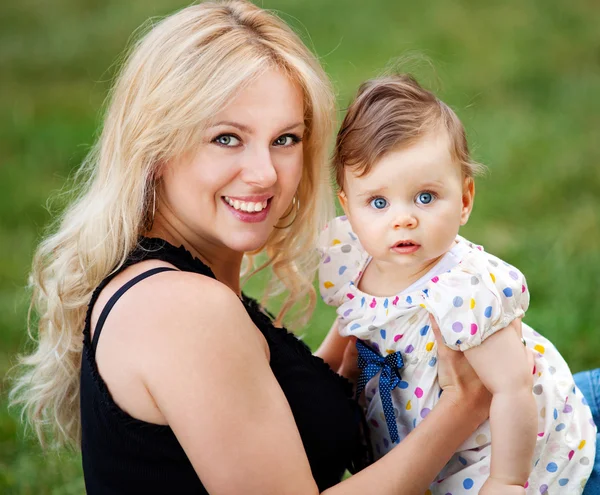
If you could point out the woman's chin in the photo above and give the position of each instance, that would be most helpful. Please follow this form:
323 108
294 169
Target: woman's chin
247 242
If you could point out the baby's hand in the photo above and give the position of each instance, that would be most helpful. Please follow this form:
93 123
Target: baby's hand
493 486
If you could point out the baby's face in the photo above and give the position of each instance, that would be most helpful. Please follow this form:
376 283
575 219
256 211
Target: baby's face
407 210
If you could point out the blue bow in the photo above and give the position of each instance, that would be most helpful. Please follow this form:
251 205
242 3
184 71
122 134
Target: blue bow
371 362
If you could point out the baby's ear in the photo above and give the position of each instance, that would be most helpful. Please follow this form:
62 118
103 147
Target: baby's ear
343 201
468 196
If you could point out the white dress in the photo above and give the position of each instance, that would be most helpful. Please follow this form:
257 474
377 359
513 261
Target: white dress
471 294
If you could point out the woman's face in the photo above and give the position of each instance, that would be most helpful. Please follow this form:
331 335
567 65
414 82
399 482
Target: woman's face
231 191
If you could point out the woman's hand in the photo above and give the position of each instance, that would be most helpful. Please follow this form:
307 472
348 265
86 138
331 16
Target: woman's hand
457 378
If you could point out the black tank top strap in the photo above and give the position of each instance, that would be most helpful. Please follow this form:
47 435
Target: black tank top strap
117 295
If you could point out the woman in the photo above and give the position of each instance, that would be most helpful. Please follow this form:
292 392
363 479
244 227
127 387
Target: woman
213 150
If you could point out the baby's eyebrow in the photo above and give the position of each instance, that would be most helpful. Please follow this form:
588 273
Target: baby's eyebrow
434 183
372 192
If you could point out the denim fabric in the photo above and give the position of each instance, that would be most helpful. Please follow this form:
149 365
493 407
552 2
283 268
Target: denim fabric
589 383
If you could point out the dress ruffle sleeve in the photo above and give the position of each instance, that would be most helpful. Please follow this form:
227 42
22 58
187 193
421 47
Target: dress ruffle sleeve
342 258
478 297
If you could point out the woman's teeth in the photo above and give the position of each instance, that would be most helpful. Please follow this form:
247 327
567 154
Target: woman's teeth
246 206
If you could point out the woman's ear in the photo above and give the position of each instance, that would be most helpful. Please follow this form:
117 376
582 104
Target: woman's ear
468 196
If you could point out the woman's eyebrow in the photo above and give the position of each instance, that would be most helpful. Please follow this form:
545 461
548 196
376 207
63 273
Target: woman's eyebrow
230 123
248 130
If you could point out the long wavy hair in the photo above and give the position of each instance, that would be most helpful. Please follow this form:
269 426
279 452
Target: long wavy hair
178 75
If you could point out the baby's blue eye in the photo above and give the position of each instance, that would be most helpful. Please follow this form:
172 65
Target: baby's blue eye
425 198
378 203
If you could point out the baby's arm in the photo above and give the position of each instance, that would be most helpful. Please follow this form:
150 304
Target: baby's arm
502 364
332 348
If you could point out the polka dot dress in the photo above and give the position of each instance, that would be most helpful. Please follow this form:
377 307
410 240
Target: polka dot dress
472 294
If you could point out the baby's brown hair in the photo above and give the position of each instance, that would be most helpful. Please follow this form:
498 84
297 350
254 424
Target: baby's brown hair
389 113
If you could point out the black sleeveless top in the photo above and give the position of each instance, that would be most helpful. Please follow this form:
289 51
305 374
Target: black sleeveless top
124 455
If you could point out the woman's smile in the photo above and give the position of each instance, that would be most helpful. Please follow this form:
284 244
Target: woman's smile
249 209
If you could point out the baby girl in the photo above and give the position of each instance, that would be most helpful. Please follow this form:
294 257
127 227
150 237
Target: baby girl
405 182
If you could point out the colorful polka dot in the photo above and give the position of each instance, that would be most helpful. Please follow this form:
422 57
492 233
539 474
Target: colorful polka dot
457 326
457 302
488 312
419 392
409 348
493 277
472 303
424 330
507 292
481 439
552 467
336 242
468 484
328 284
398 337
382 332
429 346
473 328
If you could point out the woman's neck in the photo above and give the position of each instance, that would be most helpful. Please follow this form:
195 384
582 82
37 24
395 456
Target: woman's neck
224 263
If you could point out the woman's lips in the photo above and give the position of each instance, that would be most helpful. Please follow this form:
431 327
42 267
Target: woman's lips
248 203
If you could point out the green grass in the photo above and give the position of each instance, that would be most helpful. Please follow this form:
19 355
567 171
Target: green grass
523 75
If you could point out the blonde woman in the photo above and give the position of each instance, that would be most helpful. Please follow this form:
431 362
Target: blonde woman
149 357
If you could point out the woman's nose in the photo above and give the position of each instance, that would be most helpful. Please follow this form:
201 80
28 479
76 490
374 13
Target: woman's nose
259 169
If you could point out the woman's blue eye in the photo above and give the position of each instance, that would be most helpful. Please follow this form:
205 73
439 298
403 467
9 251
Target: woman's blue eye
425 198
227 140
286 140
378 203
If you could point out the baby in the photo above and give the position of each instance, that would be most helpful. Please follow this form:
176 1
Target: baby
405 182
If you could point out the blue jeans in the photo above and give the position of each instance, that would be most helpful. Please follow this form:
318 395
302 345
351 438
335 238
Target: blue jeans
589 383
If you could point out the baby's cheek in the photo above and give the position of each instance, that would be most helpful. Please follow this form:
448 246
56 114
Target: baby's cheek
444 231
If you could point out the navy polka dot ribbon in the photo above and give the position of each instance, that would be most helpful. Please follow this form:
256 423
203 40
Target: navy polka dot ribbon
371 362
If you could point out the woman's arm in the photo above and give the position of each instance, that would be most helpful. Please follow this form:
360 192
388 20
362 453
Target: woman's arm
210 377
503 365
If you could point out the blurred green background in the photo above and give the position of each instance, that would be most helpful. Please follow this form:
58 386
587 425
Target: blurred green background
523 75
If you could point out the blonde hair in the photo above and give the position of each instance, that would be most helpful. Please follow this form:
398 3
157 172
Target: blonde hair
389 113
176 77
